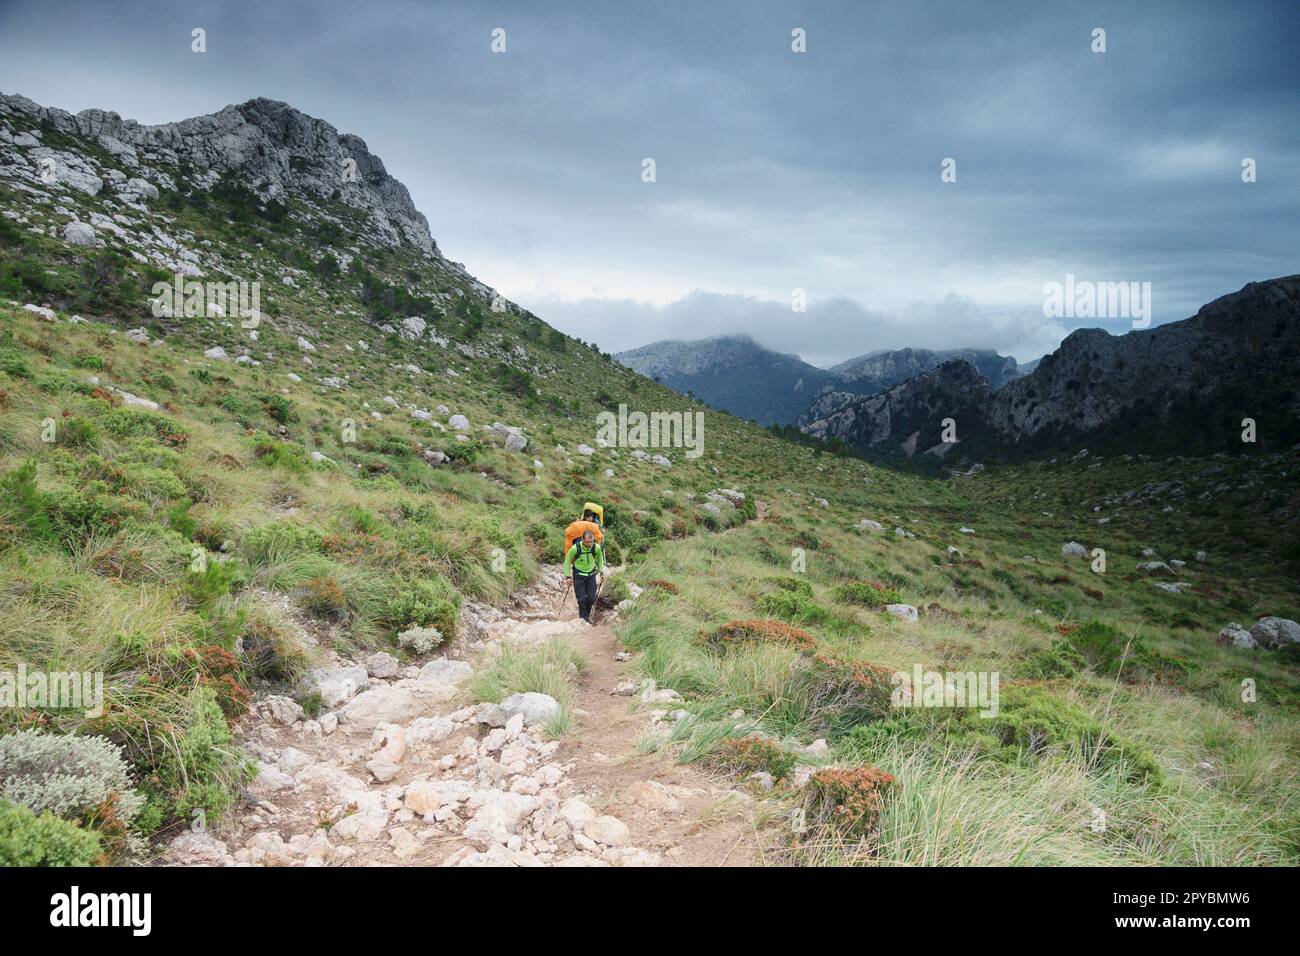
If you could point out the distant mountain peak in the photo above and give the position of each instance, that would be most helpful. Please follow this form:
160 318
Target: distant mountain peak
733 373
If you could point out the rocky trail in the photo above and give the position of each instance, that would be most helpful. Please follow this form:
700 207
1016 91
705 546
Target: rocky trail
402 768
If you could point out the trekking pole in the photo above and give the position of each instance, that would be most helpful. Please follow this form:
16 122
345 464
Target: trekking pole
595 602
568 585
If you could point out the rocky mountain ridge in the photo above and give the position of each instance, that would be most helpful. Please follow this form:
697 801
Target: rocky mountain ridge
1184 387
883 369
277 149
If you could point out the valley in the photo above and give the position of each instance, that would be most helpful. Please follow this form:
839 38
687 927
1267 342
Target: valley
314 557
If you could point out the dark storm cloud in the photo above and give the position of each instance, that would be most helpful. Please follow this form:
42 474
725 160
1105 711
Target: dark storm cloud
776 171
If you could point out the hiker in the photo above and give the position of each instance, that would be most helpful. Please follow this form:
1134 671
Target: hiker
593 519
587 559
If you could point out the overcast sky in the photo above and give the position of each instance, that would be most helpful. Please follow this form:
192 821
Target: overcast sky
775 170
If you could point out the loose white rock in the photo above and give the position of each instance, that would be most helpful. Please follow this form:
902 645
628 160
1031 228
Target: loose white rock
904 612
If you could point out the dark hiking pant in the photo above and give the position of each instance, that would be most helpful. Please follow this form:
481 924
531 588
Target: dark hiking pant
584 589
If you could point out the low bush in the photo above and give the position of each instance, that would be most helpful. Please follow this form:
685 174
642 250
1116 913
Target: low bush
191 772
279 540
422 602
866 594
83 780
420 640
31 839
1032 722
832 696
616 589
743 756
761 631
847 800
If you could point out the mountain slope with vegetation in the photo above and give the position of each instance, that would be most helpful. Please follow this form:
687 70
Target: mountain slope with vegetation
207 513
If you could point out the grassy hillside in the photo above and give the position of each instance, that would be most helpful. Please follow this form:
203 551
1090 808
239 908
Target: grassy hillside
165 545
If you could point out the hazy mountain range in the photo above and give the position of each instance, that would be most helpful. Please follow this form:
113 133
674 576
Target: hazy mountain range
736 374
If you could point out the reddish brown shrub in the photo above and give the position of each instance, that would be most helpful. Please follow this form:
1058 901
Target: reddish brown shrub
762 630
219 669
848 800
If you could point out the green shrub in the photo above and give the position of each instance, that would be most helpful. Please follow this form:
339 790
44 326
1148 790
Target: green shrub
12 362
1100 646
193 768
144 482
218 578
133 423
25 504
180 521
11 235
794 586
1055 660
1032 721
793 606
743 756
83 780
866 594
243 409
312 703
78 432
277 454
78 512
279 540
28 839
422 602
616 589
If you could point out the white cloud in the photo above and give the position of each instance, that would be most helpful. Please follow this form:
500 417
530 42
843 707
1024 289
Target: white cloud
829 332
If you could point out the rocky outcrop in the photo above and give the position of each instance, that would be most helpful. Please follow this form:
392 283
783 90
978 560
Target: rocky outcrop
908 420
274 148
877 371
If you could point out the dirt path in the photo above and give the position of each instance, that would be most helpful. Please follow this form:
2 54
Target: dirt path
400 770
708 823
